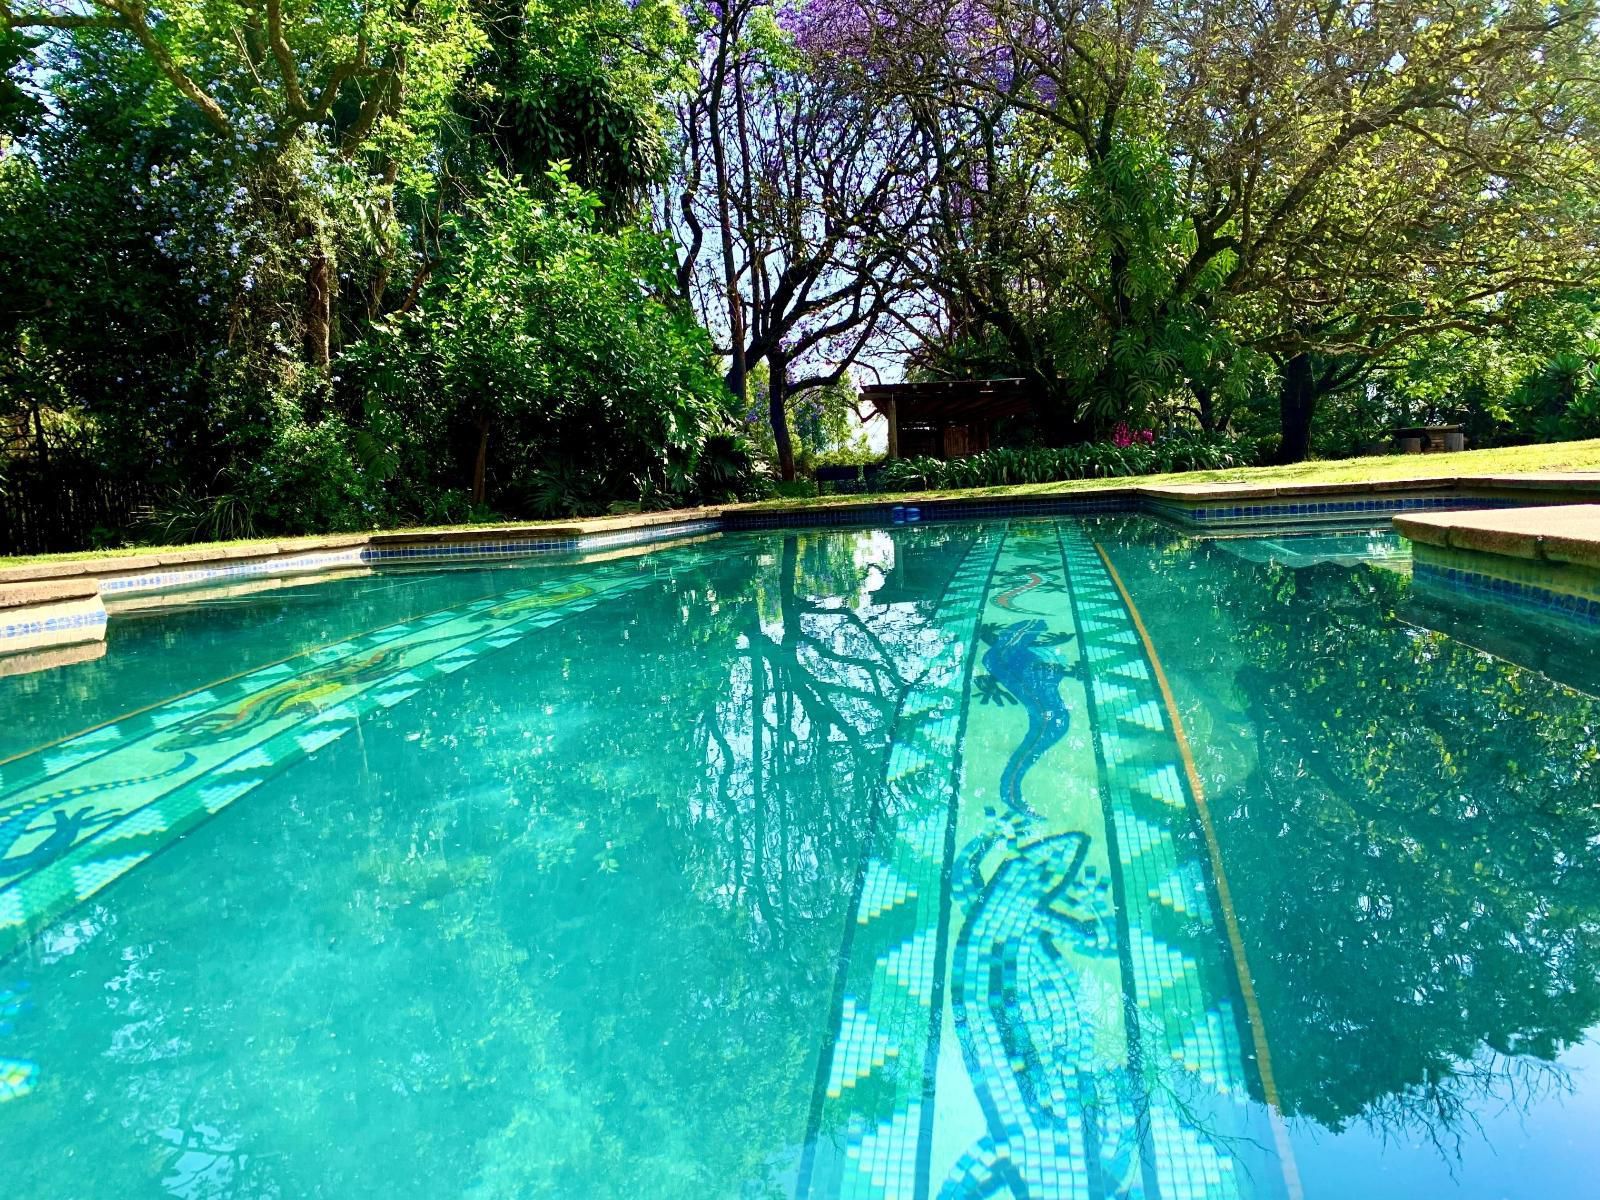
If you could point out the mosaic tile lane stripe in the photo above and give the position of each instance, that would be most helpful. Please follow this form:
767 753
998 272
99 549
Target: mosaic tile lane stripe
1083 1035
1208 1137
870 1115
76 815
1033 1070
267 685
1220 892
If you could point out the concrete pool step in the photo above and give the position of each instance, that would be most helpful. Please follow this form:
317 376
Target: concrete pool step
1568 533
1545 559
52 611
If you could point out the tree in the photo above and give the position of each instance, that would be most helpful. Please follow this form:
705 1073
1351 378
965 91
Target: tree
545 337
795 185
264 77
19 108
219 205
1316 184
1535 376
584 82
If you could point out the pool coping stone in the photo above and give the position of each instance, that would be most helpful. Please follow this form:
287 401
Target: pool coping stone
1559 534
31 590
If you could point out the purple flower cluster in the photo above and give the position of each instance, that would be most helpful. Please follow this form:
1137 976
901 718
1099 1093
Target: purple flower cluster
869 33
828 27
868 30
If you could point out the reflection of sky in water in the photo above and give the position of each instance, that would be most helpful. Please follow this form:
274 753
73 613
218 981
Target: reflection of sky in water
1545 1146
627 880
1304 550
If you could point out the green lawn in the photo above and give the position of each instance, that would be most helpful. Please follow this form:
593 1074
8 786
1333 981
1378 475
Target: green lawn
1561 456
19 560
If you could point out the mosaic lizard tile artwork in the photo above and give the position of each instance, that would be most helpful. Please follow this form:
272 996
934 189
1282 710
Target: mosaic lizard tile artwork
1039 999
1070 857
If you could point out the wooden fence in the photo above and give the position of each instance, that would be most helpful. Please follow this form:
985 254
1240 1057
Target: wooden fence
64 504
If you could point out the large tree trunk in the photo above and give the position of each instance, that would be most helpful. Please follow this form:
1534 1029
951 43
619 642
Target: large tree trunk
480 464
1205 407
777 411
738 367
319 307
1297 403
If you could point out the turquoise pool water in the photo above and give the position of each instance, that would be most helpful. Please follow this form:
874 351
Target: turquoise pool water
1050 858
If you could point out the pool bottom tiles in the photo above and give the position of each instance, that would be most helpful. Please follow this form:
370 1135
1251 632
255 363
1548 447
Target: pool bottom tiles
834 865
1037 996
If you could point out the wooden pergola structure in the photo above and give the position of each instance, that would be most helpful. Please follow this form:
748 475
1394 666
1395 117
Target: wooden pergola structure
946 419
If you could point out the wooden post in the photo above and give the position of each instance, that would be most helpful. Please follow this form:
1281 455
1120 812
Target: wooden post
886 407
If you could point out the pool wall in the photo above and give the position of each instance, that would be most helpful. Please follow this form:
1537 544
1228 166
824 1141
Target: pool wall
1544 561
1552 588
62 602
40 613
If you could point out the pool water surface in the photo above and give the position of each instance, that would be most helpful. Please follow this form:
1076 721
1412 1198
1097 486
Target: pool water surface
1032 858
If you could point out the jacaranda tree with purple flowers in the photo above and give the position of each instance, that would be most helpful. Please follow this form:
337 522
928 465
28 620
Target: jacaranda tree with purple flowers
796 189
1152 204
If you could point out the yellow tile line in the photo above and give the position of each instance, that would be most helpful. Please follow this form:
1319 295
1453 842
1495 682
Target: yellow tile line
1269 1086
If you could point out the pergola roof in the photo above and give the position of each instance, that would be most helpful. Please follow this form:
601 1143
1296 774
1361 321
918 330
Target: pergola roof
953 401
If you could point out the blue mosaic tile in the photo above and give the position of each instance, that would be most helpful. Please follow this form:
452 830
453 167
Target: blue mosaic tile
189 576
18 629
366 555
927 512
1245 513
1582 609
514 548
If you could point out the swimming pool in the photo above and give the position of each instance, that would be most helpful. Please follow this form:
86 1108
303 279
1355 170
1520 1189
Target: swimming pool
1068 857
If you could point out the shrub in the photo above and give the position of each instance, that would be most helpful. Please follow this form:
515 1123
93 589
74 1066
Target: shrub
545 354
859 455
1090 460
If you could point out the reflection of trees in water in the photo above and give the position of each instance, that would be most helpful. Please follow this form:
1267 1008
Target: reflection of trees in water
1409 827
795 744
694 858
1447 1111
563 925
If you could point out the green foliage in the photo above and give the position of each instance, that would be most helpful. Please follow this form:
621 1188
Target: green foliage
281 276
794 489
19 108
1535 379
1135 235
540 342
580 82
212 251
726 468
1089 460
857 454
180 517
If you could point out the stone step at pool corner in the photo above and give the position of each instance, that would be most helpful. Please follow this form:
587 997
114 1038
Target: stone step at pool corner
1542 560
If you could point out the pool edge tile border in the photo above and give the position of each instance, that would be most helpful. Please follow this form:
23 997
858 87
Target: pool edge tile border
1544 589
27 624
